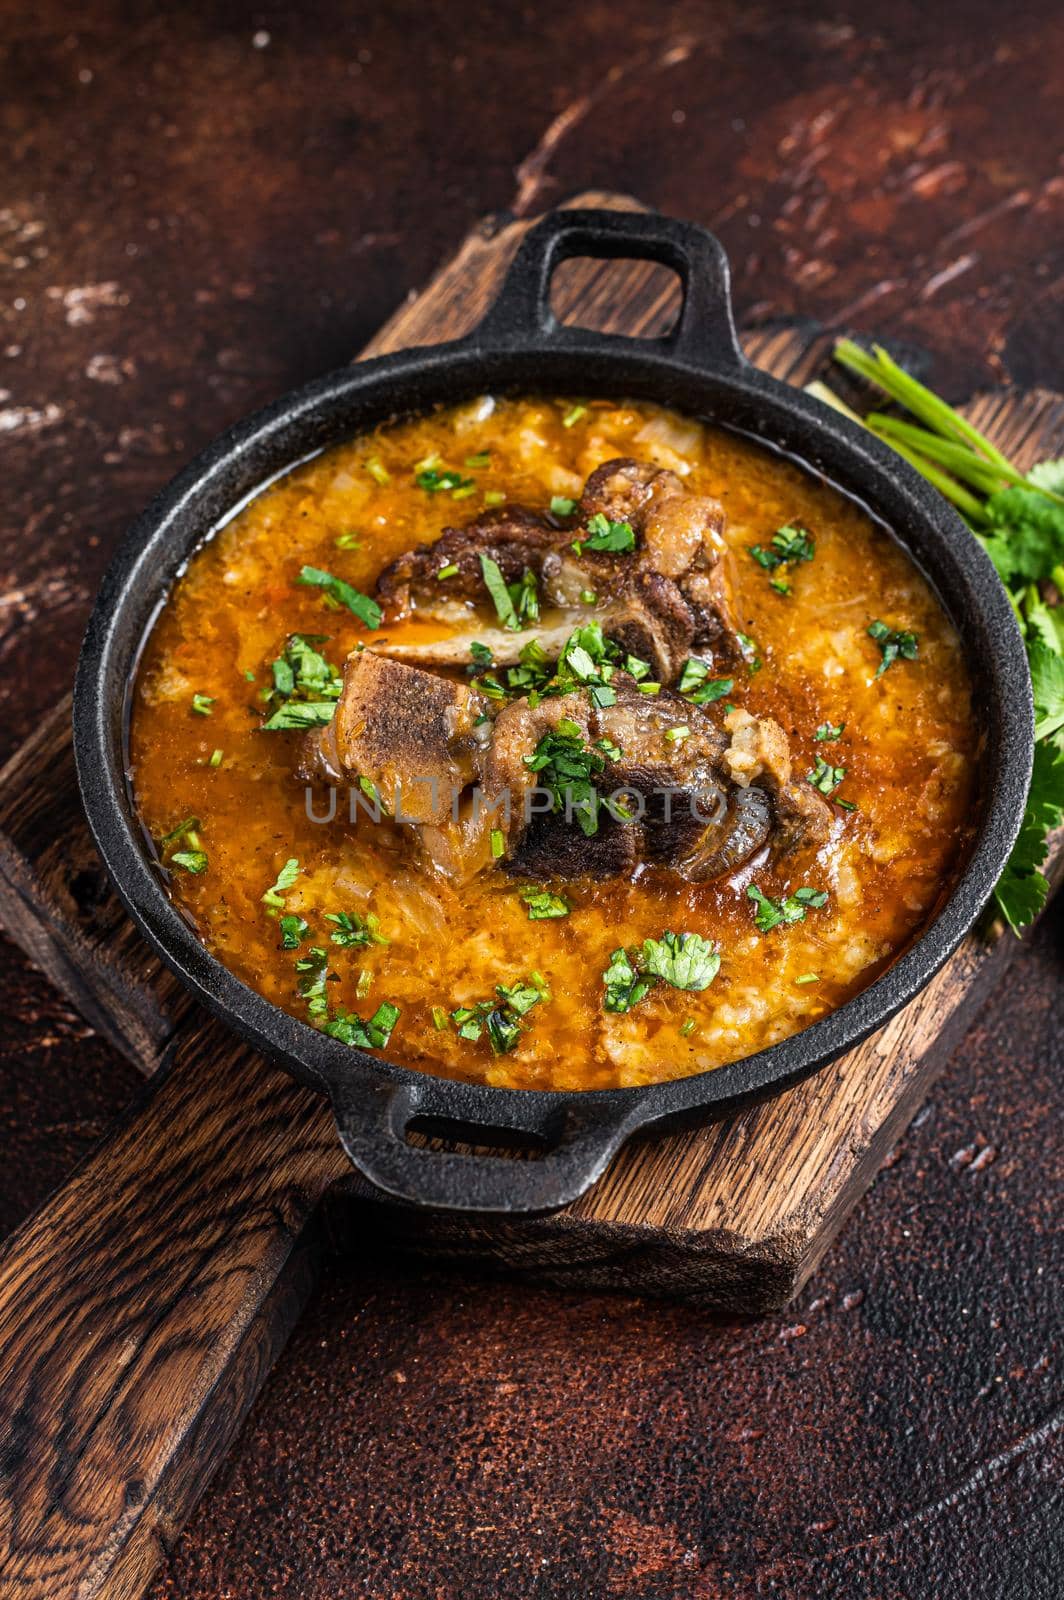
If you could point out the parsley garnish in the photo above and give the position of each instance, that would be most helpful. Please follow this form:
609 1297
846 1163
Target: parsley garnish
682 960
501 1017
294 930
352 930
824 777
305 687
194 861
515 603
770 913
573 415
342 594
285 879
602 534
371 1035
698 687
562 506
433 480
893 645
748 647
203 705
790 545
313 970
542 905
566 766
829 731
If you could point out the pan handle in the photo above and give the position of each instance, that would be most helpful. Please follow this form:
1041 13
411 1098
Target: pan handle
704 334
580 1141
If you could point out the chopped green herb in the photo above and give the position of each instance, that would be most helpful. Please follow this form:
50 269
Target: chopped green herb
625 984
285 879
698 687
566 767
194 861
434 480
602 534
305 687
439 1018
749 651
808 977
294 930
313 974
588 597
683 961
649 688
347 541
377 471
687 1028
500 594
482 656
449 571
770 913
359 604
216 758
573 416
501 1018
352 930
371 1035
542 905
829 731
189 825
494 497
562 506
678 734
249 675
892 644
202 704
824 777
789 546
498 843
481 459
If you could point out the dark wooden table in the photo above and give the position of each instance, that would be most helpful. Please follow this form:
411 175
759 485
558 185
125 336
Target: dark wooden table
202 208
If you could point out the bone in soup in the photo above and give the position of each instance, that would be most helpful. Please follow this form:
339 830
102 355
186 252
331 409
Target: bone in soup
551 744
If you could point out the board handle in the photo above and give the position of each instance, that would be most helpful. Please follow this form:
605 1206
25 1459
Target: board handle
566 1155
704 334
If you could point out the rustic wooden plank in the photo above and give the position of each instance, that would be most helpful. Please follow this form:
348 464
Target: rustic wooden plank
143 1305
140 1310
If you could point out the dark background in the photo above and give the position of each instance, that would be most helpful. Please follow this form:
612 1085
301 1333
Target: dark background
202 205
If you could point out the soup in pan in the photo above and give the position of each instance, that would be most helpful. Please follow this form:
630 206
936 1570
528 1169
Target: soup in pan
555 744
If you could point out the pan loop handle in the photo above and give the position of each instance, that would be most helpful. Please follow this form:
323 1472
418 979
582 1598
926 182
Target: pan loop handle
576 1146
704 334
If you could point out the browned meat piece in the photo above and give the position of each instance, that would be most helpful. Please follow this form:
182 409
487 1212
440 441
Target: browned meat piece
673 591
621 489
759 753
411 733
693 801
512 536
648 619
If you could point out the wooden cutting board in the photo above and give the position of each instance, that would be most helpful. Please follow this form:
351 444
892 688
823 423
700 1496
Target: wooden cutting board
142 1306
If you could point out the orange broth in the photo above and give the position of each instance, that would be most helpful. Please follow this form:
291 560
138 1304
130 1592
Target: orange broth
909 750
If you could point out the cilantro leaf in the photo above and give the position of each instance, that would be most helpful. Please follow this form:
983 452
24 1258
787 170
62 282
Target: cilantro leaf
682 960
1022 890
893 644
285 879
602 534
1047 681
1026 533
770 913
352 930
371 1035
625 986
194 861
294 930
359 604
542 905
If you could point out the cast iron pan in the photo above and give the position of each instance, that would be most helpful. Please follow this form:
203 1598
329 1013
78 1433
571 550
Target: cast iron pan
520 347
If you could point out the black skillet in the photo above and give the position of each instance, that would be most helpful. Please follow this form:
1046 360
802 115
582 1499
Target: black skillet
520 347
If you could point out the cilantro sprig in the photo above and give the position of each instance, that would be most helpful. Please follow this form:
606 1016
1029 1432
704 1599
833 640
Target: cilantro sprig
680 960
1019 521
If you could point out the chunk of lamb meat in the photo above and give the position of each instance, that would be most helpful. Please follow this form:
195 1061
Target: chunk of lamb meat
413 734
696 807
512 536
678 579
